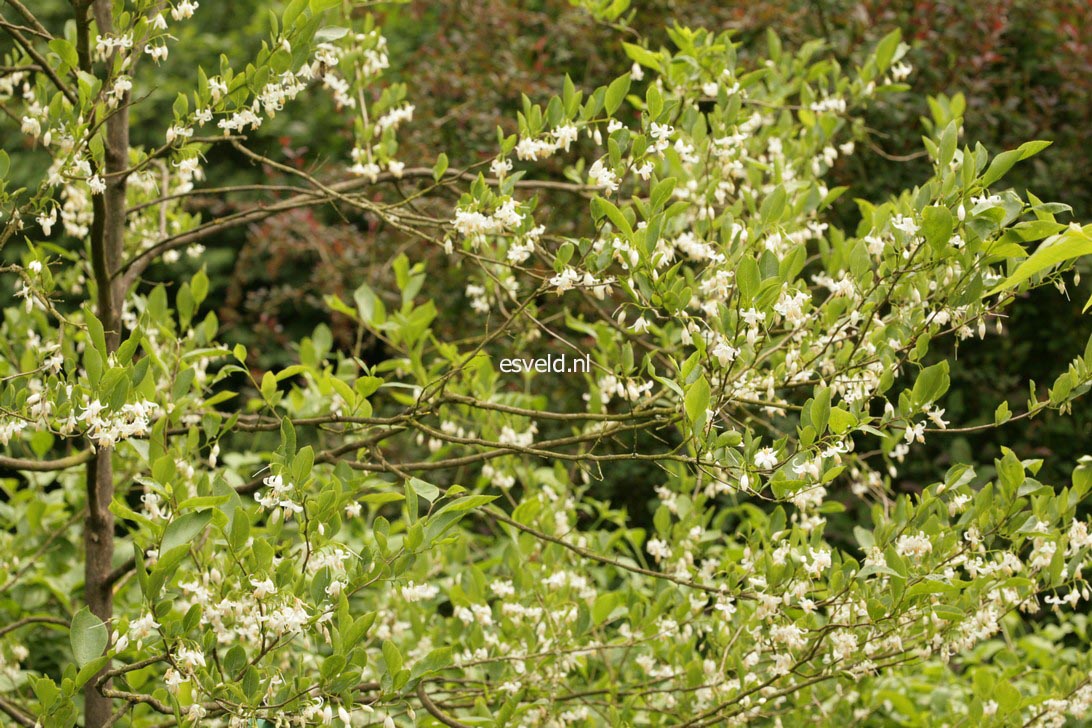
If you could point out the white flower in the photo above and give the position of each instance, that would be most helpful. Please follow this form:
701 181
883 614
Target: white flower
905 224
176 132
915 546
189 167
900 71
534 149
565 280
766 458
394 117
661 131
791 305
915 432
601 176
190 659
174 679
658 549
725 353
184 9
122 85
97 185
156 52
142 628
31 126
502 588
936 414
46 221
820 561
500 167
566 135
413 592
217 88
263 588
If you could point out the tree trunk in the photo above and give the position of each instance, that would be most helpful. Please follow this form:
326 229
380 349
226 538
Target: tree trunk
107 246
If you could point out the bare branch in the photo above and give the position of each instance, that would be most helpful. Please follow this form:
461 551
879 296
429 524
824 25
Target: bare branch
46 466
32 620
40 60
435 711
16 714
30 18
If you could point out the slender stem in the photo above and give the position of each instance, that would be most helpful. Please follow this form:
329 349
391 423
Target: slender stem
16 714
45 466
32 620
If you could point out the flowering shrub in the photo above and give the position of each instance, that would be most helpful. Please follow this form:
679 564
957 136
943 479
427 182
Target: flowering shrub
409 538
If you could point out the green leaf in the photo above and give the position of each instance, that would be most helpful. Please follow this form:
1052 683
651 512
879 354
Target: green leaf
748 278
378 499
452 513
948 139
330 33
616 217
820 410
1004 161
199 286
240 529
642 56
616 92
428 491
96 332
440 167
336 304
1010 470
841 420
1073 243
368 304
434 661
773 207
931 383
885 49
697 401
88 636
662 192
392 657
466 503
184 529
937 226
235 660
292 12
66 51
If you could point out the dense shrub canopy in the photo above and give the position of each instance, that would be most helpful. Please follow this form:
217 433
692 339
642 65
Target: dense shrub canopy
379 519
